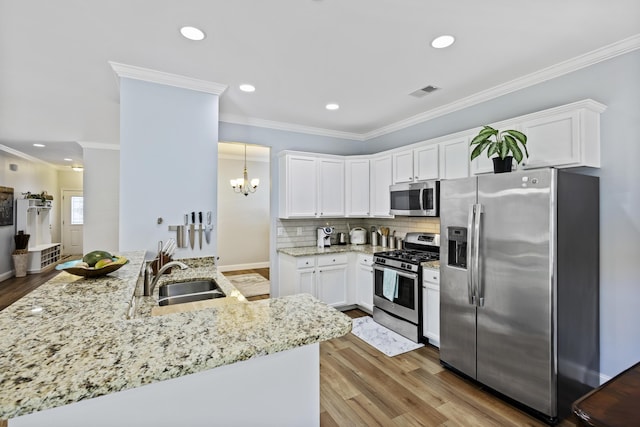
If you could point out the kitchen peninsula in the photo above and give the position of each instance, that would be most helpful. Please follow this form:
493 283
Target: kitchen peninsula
72 354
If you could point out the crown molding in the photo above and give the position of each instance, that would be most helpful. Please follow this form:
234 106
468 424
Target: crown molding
289 127
619 48
99 145
25 156
161 77
582 61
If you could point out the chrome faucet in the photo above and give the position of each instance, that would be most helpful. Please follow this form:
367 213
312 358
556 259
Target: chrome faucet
149 287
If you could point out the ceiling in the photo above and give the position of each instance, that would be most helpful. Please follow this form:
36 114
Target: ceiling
57 88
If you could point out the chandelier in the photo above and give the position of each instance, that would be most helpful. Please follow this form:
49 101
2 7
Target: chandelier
242 185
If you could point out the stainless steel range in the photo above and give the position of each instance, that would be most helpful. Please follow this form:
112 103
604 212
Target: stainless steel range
397 295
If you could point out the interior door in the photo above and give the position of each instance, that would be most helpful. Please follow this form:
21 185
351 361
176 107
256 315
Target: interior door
515 324
457 313
72 222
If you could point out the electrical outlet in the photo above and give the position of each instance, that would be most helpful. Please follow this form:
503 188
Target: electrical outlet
280 231
299 231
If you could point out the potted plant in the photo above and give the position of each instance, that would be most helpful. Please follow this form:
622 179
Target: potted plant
505 145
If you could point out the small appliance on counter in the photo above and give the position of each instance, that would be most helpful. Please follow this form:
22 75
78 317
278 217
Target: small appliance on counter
324 237
342 239
358 236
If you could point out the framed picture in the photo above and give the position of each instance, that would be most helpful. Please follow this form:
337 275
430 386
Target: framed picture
6 206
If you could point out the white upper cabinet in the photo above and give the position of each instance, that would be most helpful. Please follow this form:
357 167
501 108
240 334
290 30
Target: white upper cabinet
415 165
454 158
380 180
357 187
566 136
311 186
319 185
331 188
426 163
403 167
298 186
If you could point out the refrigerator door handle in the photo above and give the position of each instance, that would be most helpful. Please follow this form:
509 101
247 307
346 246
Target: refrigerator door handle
470 253
479 288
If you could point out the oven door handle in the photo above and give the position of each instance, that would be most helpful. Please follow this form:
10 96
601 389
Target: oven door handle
408 275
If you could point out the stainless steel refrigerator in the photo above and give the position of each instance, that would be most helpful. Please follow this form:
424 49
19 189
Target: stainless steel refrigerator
519 267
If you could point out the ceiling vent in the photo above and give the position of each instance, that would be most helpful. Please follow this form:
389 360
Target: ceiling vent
424 91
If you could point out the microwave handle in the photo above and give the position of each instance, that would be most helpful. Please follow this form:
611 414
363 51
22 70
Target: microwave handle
422 190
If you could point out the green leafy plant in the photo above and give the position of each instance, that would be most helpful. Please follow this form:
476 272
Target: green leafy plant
500 142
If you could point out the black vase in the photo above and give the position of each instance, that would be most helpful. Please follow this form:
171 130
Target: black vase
21 240
502 165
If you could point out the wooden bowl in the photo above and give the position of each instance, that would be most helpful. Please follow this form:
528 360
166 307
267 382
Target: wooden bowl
88 272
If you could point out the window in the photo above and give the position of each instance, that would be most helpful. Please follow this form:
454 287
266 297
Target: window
77 211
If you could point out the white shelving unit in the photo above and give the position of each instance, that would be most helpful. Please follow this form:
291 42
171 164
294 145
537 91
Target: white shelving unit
34 217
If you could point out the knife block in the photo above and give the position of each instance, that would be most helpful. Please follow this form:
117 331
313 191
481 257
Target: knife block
165 259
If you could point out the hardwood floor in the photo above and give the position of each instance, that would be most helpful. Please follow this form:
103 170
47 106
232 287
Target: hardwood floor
11 290
360 386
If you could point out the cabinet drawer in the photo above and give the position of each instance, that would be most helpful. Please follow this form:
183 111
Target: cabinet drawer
305 262
431 276
365 260
325 260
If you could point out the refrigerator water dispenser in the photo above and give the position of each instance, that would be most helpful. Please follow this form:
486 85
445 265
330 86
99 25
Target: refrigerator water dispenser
457 237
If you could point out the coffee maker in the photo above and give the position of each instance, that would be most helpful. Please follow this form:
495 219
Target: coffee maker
324 236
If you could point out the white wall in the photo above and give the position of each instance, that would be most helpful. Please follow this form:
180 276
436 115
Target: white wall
101 198
168 162
34 176
243 221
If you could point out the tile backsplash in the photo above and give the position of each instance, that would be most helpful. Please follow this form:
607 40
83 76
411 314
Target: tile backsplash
302 232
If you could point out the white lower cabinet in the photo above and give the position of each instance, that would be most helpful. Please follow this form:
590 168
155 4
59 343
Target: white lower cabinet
364 282
323 276
431 305
306 279
331 285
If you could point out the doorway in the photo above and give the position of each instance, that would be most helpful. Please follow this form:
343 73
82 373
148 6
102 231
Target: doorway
243 220
72 222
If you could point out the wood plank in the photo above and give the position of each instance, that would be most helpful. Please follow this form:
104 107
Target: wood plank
411 389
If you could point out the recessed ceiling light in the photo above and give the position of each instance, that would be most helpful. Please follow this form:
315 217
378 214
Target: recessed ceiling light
67 159
39 145
332 106
245 87
192 33
77 168
443 41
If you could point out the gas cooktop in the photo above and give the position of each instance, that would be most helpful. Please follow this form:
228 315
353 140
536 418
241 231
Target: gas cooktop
409 255
418 248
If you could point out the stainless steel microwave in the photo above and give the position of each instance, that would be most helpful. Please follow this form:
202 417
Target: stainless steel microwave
415 199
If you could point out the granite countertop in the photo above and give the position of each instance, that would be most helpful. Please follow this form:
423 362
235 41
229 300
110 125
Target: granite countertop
363 249
71 339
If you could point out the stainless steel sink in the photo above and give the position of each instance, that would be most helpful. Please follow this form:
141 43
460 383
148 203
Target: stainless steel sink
195 290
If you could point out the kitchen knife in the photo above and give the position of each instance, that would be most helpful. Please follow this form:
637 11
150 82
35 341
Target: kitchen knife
200 229
192 230
207 229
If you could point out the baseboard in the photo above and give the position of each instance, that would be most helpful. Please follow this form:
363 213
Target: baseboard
604 378
251 266
7 275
